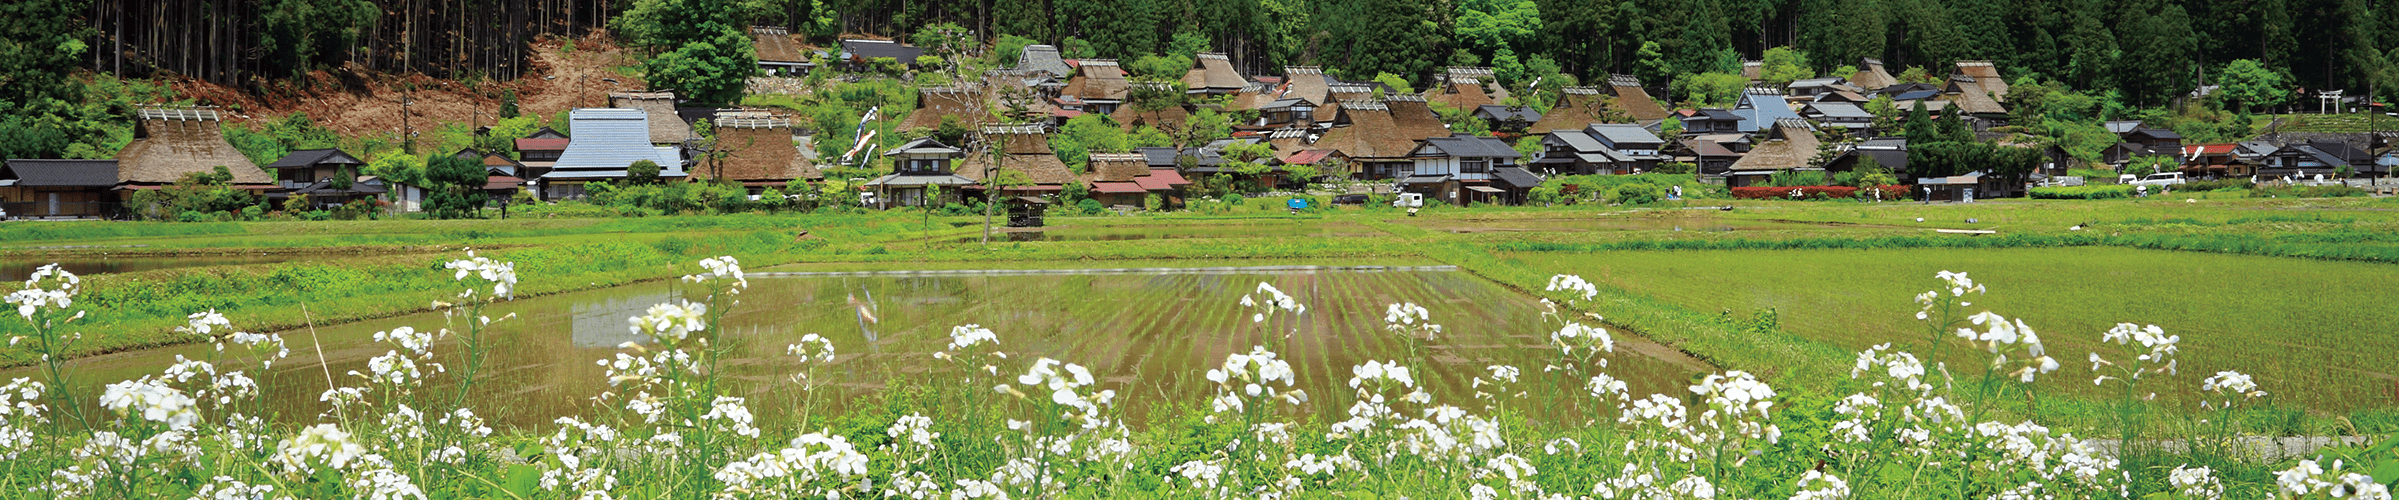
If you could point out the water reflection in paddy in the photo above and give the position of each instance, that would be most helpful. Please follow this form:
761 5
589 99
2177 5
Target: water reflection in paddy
1147 335
16 268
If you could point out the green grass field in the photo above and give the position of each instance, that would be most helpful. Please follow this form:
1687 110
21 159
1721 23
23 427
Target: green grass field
2319 329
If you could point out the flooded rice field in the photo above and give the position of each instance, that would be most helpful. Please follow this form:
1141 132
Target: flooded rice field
17 268
1147 333
1691 224
1306 229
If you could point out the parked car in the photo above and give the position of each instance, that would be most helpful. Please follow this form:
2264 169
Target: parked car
1350 199
1409 200
2161 179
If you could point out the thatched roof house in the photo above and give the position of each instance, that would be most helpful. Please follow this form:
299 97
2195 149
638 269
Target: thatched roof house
758 152
171 142
933 103
666 127
1987 76
777 52
1306 82
1099 80
1461 87
1026 151
1414 118
1790 146
1634 100
1213 73
1577 107
1872 76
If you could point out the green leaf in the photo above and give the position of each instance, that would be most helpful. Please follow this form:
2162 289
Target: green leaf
523 480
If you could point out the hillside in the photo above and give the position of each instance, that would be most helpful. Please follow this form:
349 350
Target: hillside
355 102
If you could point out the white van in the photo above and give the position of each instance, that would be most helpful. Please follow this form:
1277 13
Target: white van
2161 179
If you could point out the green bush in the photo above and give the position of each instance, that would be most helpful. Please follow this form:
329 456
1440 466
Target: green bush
2082 192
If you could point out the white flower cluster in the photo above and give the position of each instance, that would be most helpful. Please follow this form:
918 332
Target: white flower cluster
1897 368
670 324
1245 376
725 268
1410 320
736 417
1738 406
154 400
37 295
2001 334
2157 360
501 275
2195 482
20 415
2228 383
204 323
1372 409
964 336
1583 341
2310 477
1817 485
1062 380
822 353
1958 283
416 342
1272 299
1573 286
317 445
814 465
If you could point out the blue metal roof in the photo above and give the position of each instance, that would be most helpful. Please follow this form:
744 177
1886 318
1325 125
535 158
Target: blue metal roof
609 139
1759 111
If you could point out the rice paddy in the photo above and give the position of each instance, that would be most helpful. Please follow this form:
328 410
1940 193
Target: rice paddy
2320 330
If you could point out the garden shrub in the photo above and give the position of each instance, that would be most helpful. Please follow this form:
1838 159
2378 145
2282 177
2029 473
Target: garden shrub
1892 192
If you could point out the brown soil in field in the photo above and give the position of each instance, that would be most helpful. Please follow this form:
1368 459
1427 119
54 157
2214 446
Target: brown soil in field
354 102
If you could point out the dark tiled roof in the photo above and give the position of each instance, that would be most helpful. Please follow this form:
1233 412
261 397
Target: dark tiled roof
1503 112
314 157
61 173
868 49
1472 146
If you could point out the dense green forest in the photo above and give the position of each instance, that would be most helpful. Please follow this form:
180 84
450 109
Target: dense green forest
2127 53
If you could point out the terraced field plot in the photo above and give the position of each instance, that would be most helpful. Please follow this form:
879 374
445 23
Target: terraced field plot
1150 337
2315 333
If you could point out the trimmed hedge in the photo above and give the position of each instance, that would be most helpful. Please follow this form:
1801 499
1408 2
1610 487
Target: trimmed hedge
1813 192
2082 192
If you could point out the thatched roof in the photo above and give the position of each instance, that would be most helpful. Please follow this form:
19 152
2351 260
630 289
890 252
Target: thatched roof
758 149
1577 107
775 45
1213 73
1872 76
1307 82
1099 79
1371 133
1117 167
1287 139
1132 118
1987 75
1789 147
170 142
1042 169
1971 96
1462 87
966 103
1634 100
666 127
1415 118
1020 139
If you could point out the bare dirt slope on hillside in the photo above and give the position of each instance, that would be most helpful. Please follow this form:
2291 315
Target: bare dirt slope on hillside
357 103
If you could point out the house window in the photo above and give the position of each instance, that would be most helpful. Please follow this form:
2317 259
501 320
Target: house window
1474 166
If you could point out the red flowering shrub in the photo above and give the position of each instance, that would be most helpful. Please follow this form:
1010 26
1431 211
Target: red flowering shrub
1813 192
